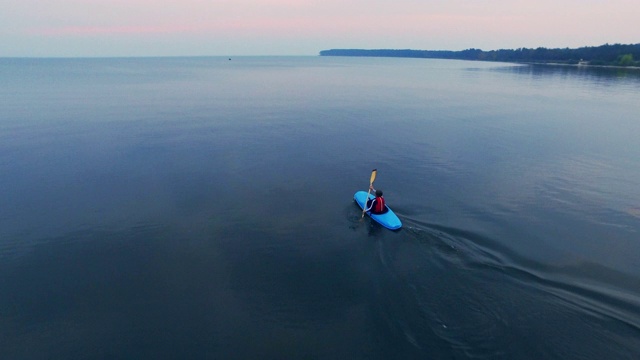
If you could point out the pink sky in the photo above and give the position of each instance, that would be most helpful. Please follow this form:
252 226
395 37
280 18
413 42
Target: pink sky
304 27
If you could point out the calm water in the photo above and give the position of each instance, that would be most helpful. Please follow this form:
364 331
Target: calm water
202 208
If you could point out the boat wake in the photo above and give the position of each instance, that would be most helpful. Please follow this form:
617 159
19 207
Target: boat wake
475 294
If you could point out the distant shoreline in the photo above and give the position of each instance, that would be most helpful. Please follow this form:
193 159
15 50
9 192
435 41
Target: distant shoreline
617 55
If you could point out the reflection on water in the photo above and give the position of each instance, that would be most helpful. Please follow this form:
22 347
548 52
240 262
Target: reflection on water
596 74
624 82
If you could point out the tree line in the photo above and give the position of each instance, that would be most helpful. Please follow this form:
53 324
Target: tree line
608 54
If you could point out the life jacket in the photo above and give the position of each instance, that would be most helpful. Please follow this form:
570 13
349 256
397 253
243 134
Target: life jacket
378 205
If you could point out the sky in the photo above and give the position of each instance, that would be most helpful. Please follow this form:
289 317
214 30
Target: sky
88 28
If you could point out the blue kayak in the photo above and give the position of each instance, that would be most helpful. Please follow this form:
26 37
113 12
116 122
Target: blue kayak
388 219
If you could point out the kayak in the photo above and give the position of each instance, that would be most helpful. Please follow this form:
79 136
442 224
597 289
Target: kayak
388 219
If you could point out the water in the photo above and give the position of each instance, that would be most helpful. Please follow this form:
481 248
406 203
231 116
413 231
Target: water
202 208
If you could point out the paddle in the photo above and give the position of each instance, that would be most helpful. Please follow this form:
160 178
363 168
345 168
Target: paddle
371 180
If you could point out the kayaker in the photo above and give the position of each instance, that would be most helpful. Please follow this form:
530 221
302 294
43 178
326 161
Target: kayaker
376 206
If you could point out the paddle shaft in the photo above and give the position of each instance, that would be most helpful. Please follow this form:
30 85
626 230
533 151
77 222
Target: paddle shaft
371 180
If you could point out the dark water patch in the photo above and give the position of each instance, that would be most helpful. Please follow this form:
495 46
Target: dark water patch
150 290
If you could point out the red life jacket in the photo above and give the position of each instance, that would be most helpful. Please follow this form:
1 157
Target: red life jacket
378 205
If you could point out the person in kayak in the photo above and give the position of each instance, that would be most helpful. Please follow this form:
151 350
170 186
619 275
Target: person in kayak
376 206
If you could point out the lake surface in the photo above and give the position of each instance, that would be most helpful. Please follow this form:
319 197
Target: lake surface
169 208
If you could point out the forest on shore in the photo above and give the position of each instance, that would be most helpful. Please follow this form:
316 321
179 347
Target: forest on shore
605 55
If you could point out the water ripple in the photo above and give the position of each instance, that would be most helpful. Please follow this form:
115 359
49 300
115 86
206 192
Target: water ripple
511 290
